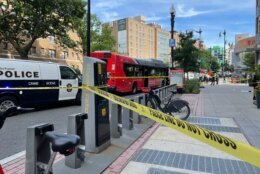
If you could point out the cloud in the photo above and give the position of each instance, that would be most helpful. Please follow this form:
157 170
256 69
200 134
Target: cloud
108 16
183 13
153 18
109 4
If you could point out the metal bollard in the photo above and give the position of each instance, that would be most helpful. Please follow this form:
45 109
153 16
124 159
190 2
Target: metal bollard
141 100
120 124
76 125
37 148
114 127
126 122
136 117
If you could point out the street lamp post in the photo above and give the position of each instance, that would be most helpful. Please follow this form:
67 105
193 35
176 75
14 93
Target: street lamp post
88 29
200 41
224 61
172 12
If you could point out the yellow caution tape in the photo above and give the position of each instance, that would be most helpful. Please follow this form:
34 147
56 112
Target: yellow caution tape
138 77
47 88
40 88
240 150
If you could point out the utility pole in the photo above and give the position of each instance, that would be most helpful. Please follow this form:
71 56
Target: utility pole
224 61
200 41
172 12
88 29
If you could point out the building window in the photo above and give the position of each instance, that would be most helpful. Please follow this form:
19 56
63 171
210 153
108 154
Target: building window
32 51
77 56
51 39
72 55
4 45
42 51
52 53
64 55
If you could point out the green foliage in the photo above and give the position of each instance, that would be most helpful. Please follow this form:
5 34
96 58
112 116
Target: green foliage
229 68
208 61
101 35
249 61
24 21
215 66
257 72
105 41
187 54
192 86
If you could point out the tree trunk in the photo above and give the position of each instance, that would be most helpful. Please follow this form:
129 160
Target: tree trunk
23 54
22 51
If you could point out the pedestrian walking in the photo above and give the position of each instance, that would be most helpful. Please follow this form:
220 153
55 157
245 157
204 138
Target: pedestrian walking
224 78
212 80
217 78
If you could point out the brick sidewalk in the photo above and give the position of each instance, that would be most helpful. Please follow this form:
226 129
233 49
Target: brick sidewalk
17 166
196 103
118 165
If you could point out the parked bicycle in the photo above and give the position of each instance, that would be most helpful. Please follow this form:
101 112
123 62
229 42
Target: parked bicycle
174 106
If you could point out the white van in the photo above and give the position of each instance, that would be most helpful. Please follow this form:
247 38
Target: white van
16 73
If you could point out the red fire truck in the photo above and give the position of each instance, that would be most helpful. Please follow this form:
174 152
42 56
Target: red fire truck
127 74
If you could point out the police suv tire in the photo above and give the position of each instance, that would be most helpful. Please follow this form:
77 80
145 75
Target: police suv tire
7 100
78 98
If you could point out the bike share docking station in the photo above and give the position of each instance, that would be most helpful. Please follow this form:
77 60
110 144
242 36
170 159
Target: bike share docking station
43 144
97 128
76 126
92 127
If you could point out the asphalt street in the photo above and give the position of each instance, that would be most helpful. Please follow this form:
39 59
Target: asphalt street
13 133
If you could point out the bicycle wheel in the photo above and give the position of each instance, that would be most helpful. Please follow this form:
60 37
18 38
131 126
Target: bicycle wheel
182 111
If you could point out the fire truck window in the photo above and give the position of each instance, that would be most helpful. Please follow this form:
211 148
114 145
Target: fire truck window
138 71
129 70
152 73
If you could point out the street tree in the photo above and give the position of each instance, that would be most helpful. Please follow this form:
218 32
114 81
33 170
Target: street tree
101 35
215 66
186 54
24 21
105 40
208 61
249 61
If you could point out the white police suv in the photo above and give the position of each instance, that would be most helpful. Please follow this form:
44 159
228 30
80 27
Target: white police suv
16 73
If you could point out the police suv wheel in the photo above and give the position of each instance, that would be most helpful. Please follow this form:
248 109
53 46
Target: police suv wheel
7 102
78 98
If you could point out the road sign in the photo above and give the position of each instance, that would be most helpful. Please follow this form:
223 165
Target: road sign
172 43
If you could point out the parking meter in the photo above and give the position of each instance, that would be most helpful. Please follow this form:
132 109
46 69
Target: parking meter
97 130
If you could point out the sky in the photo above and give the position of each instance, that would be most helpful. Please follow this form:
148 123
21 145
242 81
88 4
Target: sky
212 16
